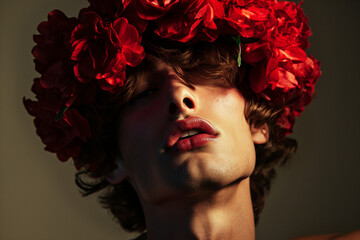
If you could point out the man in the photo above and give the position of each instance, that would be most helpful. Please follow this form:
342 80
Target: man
169 104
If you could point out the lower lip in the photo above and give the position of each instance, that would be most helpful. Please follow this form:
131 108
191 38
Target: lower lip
193 142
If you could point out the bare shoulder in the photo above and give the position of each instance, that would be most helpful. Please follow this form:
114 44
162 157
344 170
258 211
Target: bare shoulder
334 236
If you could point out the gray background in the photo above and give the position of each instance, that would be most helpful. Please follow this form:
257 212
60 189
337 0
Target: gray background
319 192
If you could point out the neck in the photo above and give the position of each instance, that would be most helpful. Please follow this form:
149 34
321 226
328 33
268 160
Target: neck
224 214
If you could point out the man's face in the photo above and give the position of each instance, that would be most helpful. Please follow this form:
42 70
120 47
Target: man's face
162 162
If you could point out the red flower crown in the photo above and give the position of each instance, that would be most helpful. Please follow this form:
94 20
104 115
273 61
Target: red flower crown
96 47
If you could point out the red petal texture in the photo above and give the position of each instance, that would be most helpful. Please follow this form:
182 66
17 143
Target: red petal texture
154 9
258 78
290 74
78 123
250 18
130 39
102 50
56 135
79 58
193 19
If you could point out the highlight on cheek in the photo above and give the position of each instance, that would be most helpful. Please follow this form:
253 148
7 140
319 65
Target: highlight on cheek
229 98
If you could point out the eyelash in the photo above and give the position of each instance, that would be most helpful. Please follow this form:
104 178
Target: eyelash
142 95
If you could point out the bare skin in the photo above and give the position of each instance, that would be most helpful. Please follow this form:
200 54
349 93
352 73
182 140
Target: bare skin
225 214
197 193
200 193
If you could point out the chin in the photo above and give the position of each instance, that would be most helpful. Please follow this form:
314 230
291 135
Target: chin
208 177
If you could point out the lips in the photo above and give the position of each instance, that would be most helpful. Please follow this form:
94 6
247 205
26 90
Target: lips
190 133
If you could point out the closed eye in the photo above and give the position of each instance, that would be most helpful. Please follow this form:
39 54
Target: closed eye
143 95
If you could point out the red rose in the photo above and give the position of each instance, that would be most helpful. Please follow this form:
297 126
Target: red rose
256 52
296 98
102 52
133 18
280 74
64 136
56 89
153 9
111 10
308 71
292 26
279 51
53 54
285 80
77 58
251 18
193 19
53 42
286 121
275 73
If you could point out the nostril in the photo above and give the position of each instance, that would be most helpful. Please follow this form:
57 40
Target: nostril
174 107
188 102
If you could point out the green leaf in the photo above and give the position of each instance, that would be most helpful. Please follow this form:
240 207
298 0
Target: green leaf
238 42
61 113
239 56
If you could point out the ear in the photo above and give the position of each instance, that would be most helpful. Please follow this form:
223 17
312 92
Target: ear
259 134
119 174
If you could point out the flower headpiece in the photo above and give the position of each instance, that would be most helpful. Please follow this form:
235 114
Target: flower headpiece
77 57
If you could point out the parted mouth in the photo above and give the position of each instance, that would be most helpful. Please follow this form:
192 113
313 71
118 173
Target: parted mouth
188 128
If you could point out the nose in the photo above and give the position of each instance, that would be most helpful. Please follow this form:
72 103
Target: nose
182 99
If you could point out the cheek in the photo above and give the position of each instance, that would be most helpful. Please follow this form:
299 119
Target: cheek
136 125
139 142
132 136
238 146
129 131
139 135
133 148
228 102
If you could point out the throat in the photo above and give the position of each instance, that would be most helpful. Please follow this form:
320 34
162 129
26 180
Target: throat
227 215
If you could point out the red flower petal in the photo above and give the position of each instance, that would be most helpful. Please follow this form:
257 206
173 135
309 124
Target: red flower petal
293 53
258 81
78 123
154 9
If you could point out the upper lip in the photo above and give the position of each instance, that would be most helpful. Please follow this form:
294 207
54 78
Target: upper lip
190 123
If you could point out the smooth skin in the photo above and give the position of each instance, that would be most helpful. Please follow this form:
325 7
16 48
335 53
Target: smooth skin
203 193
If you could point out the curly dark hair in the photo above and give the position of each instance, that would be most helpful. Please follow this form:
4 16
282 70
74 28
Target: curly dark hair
215 61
